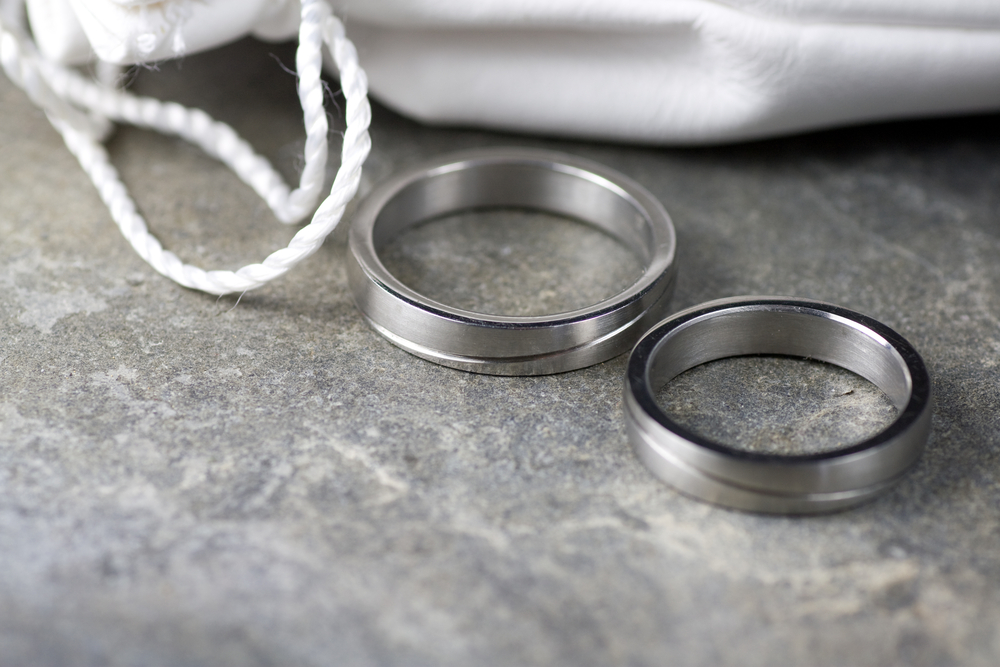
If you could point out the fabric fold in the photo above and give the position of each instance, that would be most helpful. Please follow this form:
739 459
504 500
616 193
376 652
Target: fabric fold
681 72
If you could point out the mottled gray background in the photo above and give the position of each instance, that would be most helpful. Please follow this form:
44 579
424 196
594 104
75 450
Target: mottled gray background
188 481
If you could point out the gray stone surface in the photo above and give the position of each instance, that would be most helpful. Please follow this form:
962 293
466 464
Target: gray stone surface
185 480
777 405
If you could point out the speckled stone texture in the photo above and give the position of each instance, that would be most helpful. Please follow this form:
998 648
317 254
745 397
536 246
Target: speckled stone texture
185 480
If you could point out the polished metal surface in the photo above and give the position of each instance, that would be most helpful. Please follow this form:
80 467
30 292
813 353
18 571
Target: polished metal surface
798 484
522 178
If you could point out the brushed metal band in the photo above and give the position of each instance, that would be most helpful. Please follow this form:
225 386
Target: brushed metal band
797 484
512 177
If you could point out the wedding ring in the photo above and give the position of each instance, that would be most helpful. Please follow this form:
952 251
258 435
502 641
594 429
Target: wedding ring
785 484
521 178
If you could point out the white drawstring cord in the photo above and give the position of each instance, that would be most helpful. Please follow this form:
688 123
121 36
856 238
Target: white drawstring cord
57 89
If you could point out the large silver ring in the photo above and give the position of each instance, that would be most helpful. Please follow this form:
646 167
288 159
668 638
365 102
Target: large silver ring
522 178
796 484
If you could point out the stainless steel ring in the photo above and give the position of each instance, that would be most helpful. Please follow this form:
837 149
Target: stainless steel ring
784 484
523 178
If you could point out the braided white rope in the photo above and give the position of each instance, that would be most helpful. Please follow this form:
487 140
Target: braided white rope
56 89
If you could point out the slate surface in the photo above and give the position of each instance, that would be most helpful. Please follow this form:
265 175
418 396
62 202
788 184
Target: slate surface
185 480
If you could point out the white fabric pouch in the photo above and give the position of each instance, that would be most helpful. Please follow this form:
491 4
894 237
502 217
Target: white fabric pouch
661 71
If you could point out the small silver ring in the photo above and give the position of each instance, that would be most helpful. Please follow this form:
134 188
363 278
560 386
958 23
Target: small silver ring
523 178
773 483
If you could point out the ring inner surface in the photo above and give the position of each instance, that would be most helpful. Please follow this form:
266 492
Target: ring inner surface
814 335
568 192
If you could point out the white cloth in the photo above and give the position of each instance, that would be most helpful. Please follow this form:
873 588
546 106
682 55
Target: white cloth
662 71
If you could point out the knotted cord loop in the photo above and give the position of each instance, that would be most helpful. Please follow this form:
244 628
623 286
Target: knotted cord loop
64 95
